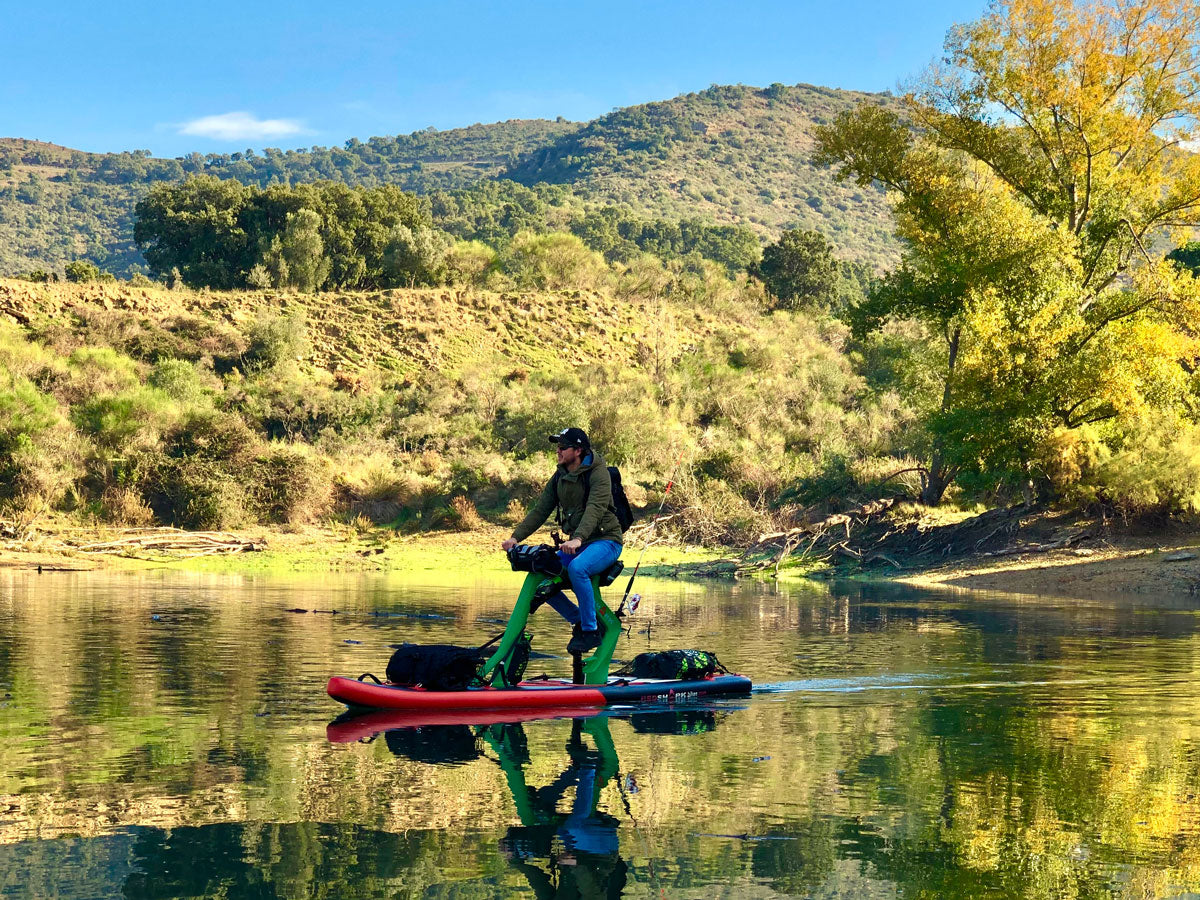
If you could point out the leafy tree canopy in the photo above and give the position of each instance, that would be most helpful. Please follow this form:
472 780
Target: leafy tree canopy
1045 162
799 270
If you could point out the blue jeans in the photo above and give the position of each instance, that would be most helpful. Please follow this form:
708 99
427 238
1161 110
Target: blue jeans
591 560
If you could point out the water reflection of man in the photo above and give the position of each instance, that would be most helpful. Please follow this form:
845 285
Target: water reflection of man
581 846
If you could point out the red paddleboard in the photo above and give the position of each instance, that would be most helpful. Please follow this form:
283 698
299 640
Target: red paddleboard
532 695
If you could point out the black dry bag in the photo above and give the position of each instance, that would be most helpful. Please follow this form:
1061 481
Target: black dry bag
540 558
435 667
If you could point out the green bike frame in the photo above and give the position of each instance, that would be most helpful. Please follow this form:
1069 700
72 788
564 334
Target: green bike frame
595 667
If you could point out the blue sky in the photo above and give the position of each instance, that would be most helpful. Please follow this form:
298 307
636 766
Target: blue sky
221 76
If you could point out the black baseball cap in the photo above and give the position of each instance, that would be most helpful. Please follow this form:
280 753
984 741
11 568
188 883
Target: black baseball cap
570 437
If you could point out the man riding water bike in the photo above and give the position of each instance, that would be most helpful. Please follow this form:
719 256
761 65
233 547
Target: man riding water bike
581 491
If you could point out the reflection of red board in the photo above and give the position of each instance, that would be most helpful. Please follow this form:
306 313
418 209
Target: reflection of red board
348 730
539 695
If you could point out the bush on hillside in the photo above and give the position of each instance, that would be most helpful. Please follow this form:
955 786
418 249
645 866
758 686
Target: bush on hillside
81 271
1151 470
553 262
290 484
275 340
40 458
196 493
469 263
178 379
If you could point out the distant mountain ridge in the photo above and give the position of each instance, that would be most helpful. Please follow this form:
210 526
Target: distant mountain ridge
729 154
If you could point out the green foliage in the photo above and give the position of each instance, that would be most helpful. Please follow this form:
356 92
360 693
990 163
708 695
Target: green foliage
799 271
469 263
222 234
414 256
1151 469
289 484
176 421
195 227
177 379
621 237
1187 256
274 341
38 456
730 157
1025 247
553 262
82 271
296 257
286 404
124 422
196 477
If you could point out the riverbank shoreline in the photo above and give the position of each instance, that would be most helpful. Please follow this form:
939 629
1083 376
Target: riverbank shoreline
315 549
1163 561
1131 565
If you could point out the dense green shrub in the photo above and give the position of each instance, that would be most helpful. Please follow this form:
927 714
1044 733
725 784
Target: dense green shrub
290 484
177 379
1151 469
126 421
275 340
286 404
553 262
194 492
39 455
82 271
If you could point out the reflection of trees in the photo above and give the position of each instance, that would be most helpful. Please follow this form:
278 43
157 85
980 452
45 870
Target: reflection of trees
996 796
299 860
186 730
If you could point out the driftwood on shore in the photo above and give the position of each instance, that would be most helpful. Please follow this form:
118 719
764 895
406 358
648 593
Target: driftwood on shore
154 543
785 543
168 541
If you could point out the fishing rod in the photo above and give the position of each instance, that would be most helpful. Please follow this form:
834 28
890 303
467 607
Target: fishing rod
646 546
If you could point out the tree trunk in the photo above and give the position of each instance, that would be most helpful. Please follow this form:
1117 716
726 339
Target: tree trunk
940 476
937 479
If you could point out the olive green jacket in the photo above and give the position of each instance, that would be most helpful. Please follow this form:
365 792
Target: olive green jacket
596 522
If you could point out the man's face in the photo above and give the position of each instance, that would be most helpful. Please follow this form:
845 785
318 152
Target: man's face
568 456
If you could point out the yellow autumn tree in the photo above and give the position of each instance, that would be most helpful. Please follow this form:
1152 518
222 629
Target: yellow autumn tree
1048 157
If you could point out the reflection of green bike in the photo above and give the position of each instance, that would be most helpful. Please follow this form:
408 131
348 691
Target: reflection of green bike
581 845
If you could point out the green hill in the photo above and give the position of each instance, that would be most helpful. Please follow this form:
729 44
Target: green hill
729 154
733 154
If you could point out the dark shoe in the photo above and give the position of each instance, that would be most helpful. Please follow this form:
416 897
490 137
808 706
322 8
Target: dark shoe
585 641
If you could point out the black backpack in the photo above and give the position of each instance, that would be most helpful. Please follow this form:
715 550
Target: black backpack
620 503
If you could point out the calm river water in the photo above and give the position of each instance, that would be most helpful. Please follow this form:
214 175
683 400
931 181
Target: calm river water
169 736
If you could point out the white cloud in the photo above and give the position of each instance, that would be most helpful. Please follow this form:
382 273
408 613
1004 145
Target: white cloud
241 126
